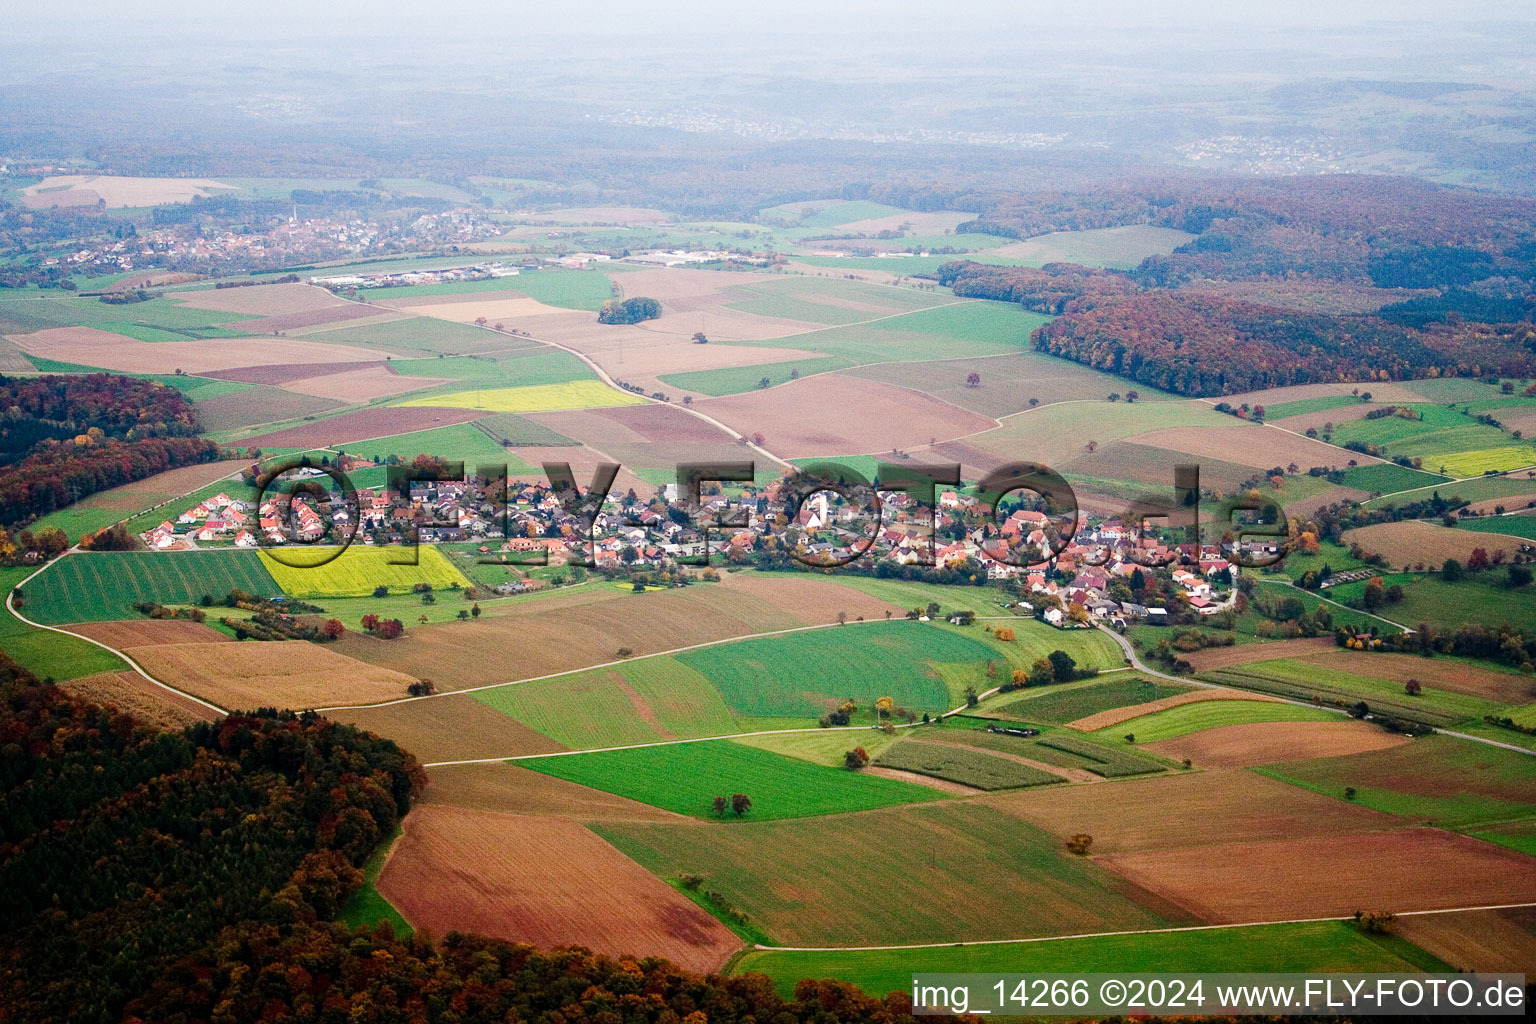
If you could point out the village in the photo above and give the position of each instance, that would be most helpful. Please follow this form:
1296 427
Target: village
1104 573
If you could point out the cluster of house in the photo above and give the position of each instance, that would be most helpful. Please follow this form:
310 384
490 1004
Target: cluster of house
1066 584
402 278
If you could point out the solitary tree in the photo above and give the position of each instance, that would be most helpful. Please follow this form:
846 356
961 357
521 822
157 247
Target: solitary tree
740 804
973 380
855 759
1080 843
719 806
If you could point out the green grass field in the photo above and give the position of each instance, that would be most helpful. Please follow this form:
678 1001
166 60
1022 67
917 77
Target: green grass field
686 778
947 871
965 766
46 654
1436 706
1515 835
461 442
569 289
1482 598
1435 779
99 586
1326 946
1438 432
367 907
426 336
1386 478
515 430
646 700
1510 526
1071 750
736 379
358 570
1478 489
1334 556
1188 718
798 674
1301 407
1079 700
1485 460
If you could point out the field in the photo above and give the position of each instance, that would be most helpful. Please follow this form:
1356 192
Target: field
646 700
115 191
1449 686
803 673
1121 248
1477 940
95 586
1385 478
1435 779
1233 805
542 880
1320 946
1256 743
1522 526
1069 751
107 507
46 654
461 442
1330 876
1187 718
945 872
686 777
282 674
1483 598
1114 716
1060 705
967 767
351 427
134 695
359 570
1486 460
579 394
1409 543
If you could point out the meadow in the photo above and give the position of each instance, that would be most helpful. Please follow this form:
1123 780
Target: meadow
461 442
423 336
580 394
646 700
801 674
686 777
1481 598
949 871
1387 478
359 570
1510 526
736 379
1435 705
1316 946
1066 750
100 586
46 654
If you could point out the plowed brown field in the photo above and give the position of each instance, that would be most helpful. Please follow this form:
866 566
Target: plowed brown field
1477 940
90 347
1331 876
547 881
450 729
1230 746
147 632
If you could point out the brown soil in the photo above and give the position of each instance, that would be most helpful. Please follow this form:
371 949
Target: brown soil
1251 743
1490 941
1260 449
450 729
1331 876
1410 542
285 373
546 881
150 632
1187 809
325 317
130 693
362 385
262 299
835 415
283 674
1502 687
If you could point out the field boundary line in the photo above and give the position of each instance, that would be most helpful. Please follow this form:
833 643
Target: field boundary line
1106 935
11 607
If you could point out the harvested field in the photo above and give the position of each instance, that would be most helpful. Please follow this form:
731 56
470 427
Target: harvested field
657 423
1097 247
13 359
1139 470
508 789
871 417
450 729
362 425
1057 434
1253 743
1330 876
813 600
90 347
1410 542
1380 391
327 316
363 385
1441 673
1224 806
1252 445
1490 941
283 373
542 635
147 632
103 508
263 299
257 406
546 881
1489 505
133 694
1114 716
719 325
283 674
1007 382
583 461
1318 420
1242 654
117 191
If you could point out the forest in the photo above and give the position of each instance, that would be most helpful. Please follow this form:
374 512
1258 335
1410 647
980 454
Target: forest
194 876
65 437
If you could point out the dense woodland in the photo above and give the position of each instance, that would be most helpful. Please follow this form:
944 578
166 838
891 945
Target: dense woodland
65 437
190 877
